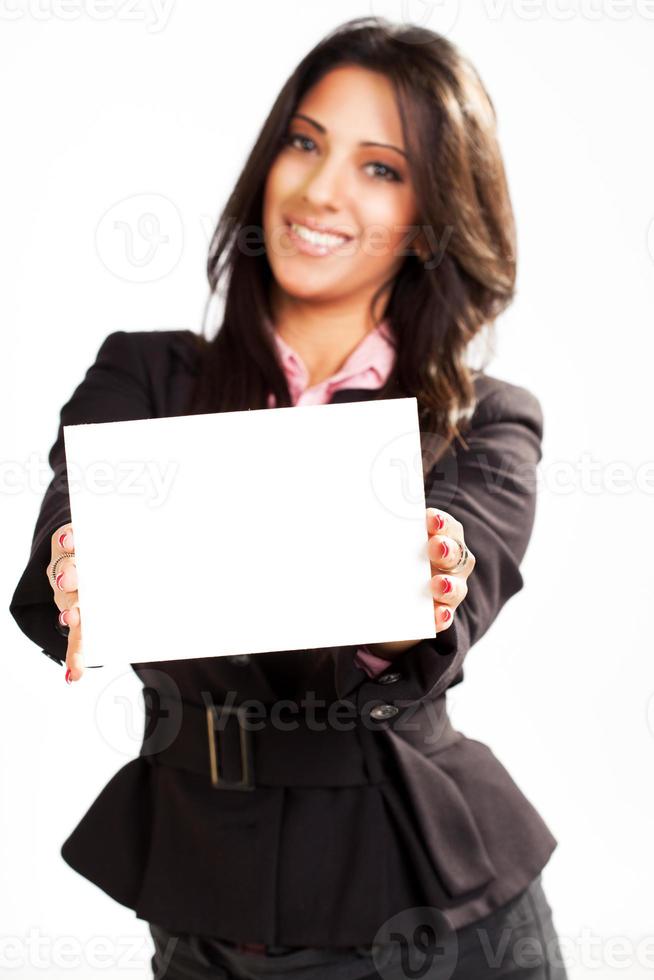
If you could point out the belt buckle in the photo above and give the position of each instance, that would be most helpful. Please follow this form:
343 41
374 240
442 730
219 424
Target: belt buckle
217 781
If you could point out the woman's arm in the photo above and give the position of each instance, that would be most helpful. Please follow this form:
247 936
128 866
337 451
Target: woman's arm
490 487
114 389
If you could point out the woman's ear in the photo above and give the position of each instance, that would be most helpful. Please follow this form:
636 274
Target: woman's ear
421 248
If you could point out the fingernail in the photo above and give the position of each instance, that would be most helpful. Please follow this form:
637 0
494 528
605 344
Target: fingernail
446 615
62 538
62 617
439 522
446 585
444 549
68 680
58 580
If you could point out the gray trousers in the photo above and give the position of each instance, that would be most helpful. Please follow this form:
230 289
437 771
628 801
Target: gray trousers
517 941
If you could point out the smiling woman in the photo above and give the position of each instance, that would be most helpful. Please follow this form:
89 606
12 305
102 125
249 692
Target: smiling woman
378 187
384 140
340 198
335 197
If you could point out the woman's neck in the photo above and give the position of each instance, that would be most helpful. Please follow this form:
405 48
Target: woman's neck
324 340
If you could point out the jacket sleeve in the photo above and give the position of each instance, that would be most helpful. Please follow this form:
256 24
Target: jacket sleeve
114 388
490 487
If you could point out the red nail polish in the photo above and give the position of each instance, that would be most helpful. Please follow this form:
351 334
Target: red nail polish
62 619
439 522
58 580
62 537
68 681
446 615
444 549
446 585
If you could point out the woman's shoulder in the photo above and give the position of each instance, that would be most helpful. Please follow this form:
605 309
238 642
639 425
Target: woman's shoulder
183 343
498 400
152 354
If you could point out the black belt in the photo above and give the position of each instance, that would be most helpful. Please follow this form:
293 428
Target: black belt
240 750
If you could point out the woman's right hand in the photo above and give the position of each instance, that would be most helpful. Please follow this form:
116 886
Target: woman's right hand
66 599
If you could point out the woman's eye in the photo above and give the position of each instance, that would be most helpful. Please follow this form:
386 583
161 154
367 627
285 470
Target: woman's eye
390 174
292 137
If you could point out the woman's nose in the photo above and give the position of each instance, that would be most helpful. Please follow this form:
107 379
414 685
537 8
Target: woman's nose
325 187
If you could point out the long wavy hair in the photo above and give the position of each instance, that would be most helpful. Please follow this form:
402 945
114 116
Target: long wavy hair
435 307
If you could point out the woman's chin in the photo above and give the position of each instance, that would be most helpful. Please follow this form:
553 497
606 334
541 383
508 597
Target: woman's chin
306 285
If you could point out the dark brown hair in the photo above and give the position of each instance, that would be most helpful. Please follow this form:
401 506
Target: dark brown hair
436 307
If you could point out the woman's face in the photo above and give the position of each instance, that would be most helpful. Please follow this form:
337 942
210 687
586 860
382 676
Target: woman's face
324 176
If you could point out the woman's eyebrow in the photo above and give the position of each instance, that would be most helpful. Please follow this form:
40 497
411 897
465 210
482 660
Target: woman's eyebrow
322 129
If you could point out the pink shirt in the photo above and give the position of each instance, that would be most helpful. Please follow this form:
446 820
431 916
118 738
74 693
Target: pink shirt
368 366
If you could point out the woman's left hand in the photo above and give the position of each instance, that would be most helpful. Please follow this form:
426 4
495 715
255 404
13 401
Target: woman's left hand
449 588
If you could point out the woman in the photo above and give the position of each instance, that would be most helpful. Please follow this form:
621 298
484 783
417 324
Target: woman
387 244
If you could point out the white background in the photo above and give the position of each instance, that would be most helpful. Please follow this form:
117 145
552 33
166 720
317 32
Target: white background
97 109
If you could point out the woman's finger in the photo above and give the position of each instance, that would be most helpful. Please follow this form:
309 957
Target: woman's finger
64 585
441 522
449 589
74 653
66 578
65 540
443 616
65 590
70 615
444 552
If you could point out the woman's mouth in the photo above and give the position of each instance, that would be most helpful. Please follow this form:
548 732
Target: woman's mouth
316 243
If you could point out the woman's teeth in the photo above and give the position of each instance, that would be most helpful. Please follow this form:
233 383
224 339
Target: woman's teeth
316 237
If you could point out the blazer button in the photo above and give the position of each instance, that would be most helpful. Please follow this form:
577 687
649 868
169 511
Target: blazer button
388 678
381 711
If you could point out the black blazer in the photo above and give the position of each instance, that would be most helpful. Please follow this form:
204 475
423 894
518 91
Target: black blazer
335 838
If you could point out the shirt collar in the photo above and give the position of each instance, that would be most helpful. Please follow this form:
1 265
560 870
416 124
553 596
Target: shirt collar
375 352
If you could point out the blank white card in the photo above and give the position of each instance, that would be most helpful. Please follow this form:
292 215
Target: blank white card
247 532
